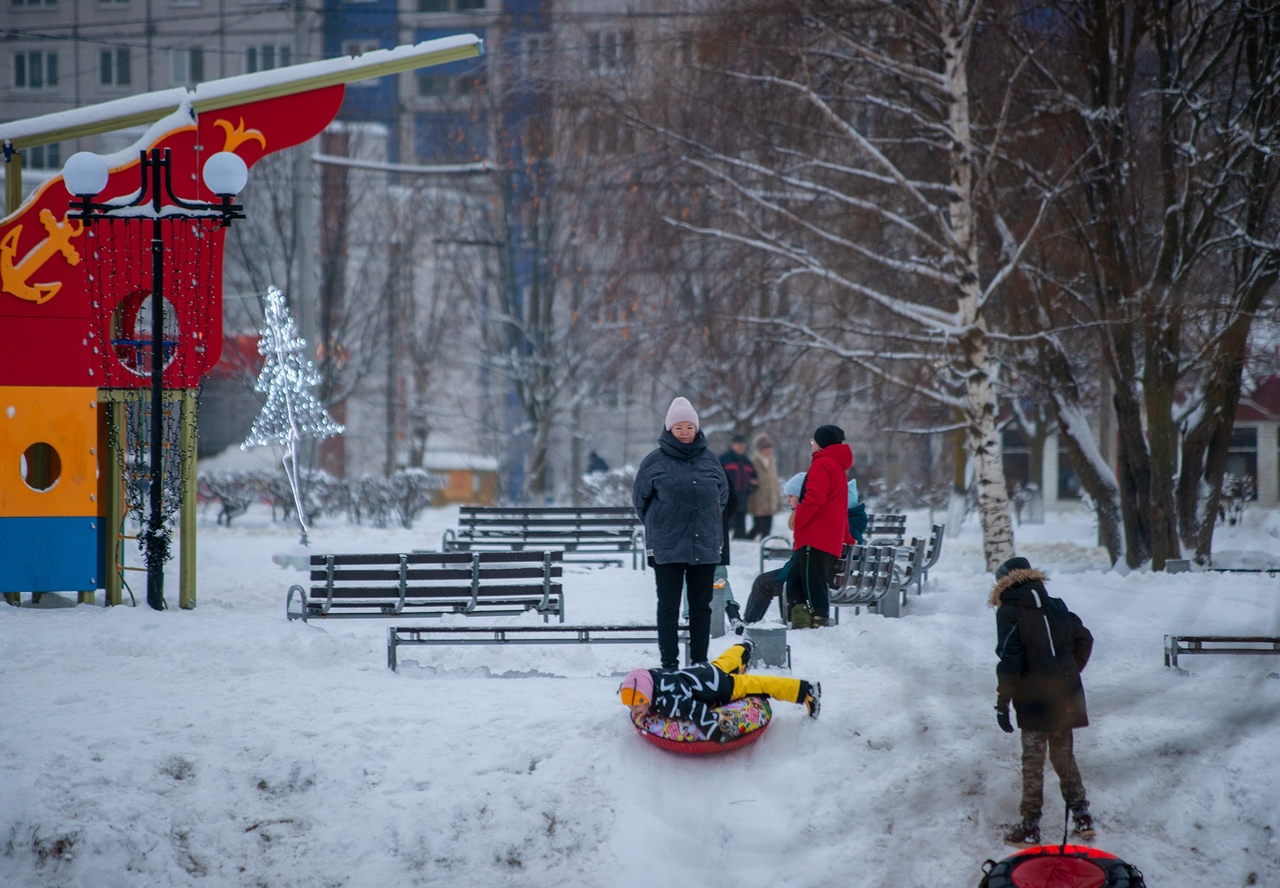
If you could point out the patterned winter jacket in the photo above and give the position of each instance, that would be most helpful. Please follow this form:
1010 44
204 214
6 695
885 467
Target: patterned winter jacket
680 494
1043 647
692 694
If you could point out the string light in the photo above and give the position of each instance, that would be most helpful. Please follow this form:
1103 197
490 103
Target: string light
292 412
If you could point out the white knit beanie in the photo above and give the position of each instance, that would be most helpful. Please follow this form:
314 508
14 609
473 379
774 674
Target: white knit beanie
681 411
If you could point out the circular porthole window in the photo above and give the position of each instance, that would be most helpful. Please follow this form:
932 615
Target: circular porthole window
131 333
41 466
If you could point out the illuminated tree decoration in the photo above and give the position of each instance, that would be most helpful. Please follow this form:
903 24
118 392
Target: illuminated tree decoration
292 412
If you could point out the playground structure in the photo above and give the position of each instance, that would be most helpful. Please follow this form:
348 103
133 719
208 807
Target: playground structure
75 306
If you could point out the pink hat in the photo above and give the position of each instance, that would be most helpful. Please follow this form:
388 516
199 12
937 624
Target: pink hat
681 411
637 683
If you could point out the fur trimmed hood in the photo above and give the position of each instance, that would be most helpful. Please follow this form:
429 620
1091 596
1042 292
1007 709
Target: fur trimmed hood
1011 579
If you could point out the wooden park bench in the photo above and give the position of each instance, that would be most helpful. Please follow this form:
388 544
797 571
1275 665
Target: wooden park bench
430 584
588 534
400 636
1175 645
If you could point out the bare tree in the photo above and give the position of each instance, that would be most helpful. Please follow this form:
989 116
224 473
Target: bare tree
1173 109
844 141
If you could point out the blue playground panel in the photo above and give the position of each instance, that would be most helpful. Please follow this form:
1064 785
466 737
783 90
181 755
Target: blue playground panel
49 554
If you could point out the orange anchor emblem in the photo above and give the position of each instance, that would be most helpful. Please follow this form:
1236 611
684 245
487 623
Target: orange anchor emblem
15 277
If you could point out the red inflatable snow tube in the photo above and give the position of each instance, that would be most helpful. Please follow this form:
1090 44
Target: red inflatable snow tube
1061 866
748 716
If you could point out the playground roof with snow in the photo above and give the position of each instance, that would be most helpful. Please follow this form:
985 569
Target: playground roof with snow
149 107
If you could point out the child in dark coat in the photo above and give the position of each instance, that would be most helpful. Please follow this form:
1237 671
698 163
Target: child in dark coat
694 693
1043 647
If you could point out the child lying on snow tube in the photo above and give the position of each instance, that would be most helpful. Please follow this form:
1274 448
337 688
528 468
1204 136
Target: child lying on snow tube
695 693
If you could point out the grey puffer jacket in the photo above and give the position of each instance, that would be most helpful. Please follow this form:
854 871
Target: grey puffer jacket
679 494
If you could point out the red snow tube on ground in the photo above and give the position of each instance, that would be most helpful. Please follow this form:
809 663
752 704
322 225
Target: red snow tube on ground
750 716
1061 866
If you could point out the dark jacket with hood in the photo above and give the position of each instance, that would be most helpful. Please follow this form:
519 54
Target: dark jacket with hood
1043 648
680 494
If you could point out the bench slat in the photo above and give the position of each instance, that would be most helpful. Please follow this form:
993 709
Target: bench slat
411 593
576 531
396 584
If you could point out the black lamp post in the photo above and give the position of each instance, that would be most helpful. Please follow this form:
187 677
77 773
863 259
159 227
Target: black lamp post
85 175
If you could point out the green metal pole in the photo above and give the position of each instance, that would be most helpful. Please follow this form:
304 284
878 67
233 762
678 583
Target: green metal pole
114 561
187 541
12 182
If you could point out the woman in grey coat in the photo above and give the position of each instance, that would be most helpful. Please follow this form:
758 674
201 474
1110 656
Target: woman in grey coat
680 493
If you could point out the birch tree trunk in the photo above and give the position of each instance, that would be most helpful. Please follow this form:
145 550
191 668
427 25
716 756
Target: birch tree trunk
979 368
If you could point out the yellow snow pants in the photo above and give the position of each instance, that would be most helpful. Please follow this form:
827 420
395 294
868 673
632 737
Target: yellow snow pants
776 686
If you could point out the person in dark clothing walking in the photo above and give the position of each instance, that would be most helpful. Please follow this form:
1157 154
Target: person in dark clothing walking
1043 647
742 478
680 494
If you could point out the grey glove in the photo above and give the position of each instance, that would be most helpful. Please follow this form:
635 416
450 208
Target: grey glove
1002 719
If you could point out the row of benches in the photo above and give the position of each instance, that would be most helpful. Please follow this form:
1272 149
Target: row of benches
878 574
506 582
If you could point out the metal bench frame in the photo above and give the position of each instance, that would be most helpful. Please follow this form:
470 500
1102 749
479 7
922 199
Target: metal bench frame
1176 645
400 636
869 576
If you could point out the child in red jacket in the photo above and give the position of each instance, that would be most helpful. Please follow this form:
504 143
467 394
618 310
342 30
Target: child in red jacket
821 526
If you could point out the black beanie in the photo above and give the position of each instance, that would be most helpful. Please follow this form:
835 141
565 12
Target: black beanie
827 435
1017 562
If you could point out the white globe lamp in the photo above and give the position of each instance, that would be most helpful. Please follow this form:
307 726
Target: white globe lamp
225 174
85 174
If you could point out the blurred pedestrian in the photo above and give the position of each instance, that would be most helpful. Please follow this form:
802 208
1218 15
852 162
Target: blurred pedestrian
766 499
680 494
742 478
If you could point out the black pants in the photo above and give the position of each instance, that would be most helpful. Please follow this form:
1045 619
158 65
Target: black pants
738 523
809 578
761 525
671 580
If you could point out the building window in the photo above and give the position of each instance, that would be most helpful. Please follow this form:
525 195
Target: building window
265 57
359 48
1017 459
449 5
1242 464
437 85
1068 481
114 67
607 136
44 157
35 70
610 51
188 65
32 4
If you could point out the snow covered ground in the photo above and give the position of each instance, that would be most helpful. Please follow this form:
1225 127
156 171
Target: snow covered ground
226 746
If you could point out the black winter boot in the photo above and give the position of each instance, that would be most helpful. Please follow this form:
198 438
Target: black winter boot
1026 833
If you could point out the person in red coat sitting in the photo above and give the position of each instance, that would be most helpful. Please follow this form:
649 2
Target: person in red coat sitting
821 525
